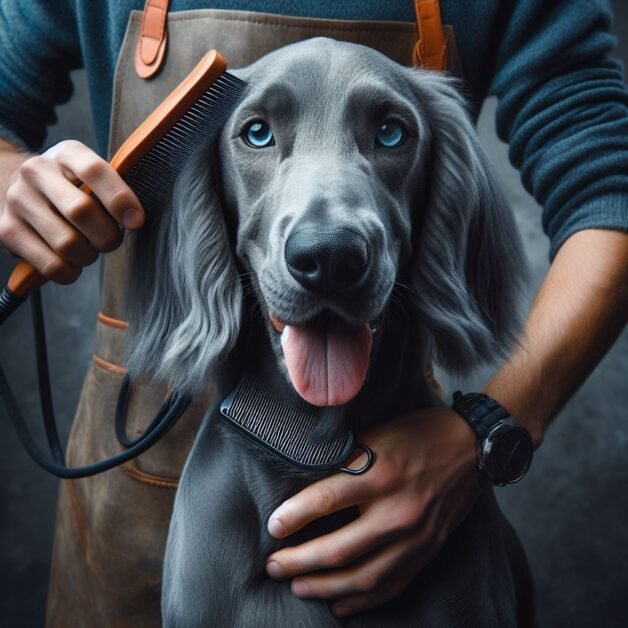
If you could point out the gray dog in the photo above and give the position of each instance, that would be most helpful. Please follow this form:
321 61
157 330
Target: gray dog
343 233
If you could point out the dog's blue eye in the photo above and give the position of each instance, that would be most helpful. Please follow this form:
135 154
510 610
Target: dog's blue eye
390 134
258 134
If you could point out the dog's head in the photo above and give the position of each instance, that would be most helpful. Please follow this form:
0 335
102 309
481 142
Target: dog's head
340 178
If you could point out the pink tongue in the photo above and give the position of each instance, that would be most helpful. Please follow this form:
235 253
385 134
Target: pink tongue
327 365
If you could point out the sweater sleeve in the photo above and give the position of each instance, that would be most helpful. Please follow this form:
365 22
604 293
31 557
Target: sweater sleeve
39 46
563 108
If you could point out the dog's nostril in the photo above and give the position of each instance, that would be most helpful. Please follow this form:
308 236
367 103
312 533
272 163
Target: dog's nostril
305 263
326 261
349 270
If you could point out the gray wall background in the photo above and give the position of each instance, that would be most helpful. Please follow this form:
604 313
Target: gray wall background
570 511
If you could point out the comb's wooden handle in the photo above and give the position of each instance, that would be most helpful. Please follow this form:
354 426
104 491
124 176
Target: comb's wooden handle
172 109
24 279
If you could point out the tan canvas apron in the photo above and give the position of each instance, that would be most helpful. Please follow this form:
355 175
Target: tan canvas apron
111 529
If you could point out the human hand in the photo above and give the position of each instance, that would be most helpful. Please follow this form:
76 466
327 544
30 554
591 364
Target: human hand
57 227
422 484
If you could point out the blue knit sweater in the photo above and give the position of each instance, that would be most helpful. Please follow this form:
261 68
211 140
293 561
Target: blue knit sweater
563 106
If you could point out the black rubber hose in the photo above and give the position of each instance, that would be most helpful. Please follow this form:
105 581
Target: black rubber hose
43 379
169 413
9 302
121 411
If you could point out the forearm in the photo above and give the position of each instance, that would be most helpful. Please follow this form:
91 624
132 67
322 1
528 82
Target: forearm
580 310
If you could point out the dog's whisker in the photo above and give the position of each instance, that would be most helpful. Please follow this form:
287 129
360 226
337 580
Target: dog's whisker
254 312
249 290
244 278
400 303
398 284
400 297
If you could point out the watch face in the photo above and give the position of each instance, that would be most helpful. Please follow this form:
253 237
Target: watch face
507 453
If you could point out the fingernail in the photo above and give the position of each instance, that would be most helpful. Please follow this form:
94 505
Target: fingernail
301 589
340 610
274 570
276 528
132 219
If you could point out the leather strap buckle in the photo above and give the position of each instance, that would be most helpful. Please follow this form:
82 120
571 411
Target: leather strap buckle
152 42
430 51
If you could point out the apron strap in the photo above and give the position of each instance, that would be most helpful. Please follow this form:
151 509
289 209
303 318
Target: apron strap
151 44
430 51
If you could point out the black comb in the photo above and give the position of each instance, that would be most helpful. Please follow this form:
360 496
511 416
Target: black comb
284 430
154 176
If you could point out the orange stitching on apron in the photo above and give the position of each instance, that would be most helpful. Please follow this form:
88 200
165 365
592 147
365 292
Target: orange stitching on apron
112 322
76 507
78 515
108 366
135 473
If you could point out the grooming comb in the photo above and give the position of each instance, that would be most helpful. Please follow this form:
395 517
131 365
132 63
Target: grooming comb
151 158
284 430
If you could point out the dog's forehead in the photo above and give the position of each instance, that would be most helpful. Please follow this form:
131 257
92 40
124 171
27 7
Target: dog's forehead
321 65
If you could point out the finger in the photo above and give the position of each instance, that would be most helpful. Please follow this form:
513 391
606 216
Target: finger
78 208
21 240
115 195
57 233
363 577
392 587
324 497
338 548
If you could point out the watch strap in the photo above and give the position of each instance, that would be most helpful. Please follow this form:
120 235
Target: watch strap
480 411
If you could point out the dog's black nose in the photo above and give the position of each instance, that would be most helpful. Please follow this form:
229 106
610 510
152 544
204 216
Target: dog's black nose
327 261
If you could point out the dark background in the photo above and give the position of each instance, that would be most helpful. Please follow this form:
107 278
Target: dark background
571 511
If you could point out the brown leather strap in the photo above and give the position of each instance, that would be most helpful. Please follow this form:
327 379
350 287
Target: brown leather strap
151 44
430 51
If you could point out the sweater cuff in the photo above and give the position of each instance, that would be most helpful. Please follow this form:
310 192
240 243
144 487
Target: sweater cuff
604 212
7 134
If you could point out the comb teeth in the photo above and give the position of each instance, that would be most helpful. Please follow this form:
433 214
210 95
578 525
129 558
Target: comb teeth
281 428
152 178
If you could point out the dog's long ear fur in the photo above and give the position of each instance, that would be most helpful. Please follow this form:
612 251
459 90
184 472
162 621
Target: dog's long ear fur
185 299
470 267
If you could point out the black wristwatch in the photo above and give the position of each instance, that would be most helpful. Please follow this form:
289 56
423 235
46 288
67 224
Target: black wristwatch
506 447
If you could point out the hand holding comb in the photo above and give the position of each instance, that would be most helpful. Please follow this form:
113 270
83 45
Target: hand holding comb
152 157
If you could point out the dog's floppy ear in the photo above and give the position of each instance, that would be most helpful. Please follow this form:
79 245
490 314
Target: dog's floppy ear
185 298
470 267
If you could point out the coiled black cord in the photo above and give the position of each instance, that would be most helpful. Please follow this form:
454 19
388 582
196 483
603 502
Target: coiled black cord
169 413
